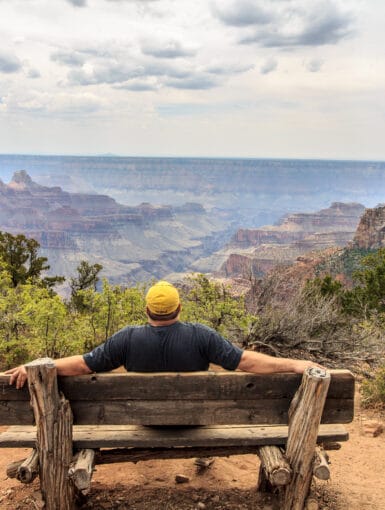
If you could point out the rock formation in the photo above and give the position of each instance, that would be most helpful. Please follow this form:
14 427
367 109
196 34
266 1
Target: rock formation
370 232
256 251
132 243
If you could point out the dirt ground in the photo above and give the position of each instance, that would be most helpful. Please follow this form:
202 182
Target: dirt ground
357 481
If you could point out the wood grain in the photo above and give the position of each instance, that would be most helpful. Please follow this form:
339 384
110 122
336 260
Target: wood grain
132 436
201 398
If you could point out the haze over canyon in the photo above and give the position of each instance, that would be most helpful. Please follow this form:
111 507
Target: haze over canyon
157 217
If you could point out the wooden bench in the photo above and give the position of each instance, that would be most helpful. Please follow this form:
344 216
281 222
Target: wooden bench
135 416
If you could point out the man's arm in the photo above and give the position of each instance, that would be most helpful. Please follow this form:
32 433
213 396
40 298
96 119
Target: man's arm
259 363
73 365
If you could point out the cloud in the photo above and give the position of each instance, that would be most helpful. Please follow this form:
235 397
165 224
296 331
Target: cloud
228 69
286 23
314 65
326 25
241 13
110 74
138 86
9 63
165 69
61 105
68 58
104 71
198 82
33 73
168 49
78 3
268 66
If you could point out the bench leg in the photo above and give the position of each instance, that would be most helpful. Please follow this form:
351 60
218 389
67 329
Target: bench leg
304 418
53 418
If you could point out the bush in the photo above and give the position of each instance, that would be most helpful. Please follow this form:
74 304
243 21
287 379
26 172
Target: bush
212 303
373 390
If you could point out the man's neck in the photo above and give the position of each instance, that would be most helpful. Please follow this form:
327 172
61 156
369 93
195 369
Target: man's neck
157 324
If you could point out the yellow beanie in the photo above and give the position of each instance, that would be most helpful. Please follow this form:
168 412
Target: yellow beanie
162 298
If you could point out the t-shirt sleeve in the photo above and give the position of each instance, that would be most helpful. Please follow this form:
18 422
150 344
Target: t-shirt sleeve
109 355
222 352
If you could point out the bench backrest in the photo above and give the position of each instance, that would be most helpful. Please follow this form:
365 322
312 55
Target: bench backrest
194 398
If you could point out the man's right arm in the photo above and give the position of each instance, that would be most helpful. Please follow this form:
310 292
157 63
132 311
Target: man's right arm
259 363
72 365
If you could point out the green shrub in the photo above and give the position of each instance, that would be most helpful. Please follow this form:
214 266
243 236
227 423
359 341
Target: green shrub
373 390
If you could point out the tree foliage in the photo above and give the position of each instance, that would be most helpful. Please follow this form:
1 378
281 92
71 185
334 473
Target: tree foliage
213 304
19 256
87 278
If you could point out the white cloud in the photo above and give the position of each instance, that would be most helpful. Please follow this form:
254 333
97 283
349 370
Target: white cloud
33 73
268 66
68 57
287 24
314 65
241 13
57 105
9 63
78 3
166 49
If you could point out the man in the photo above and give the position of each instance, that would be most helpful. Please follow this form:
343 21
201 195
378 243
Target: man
166 344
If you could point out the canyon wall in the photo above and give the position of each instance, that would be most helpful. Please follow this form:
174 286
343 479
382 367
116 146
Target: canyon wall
256 251
371 229
132 243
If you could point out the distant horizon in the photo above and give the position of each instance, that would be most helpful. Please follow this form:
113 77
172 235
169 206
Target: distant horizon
200 157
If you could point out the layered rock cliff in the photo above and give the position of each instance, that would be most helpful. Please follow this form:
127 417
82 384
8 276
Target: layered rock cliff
370 233
256 251
132 243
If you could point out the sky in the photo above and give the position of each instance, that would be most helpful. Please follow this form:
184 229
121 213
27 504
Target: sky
205 78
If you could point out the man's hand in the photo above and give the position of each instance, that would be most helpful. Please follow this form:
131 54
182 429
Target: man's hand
73 365
299 365
18 376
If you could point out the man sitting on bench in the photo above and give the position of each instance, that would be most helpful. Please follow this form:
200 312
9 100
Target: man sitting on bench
165 344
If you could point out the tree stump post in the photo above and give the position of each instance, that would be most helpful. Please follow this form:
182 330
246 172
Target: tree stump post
53 418
304 418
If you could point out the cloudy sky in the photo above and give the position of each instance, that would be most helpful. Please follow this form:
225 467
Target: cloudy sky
226 78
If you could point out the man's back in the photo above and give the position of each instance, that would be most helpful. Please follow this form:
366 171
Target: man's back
179 347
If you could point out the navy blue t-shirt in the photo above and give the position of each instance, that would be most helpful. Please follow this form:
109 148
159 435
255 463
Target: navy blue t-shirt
181 347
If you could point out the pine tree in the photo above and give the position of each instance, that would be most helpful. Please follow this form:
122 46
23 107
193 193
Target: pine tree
19 256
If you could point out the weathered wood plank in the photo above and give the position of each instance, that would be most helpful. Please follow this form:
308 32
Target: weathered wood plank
9 392
132 436
178 412
195 386
112 456
184 398
17 412
198 413
179 386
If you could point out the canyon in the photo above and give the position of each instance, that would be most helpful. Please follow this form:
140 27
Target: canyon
256 251
227 217
255 192
132 243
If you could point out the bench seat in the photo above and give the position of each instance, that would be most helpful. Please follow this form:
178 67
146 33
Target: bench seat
131 436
